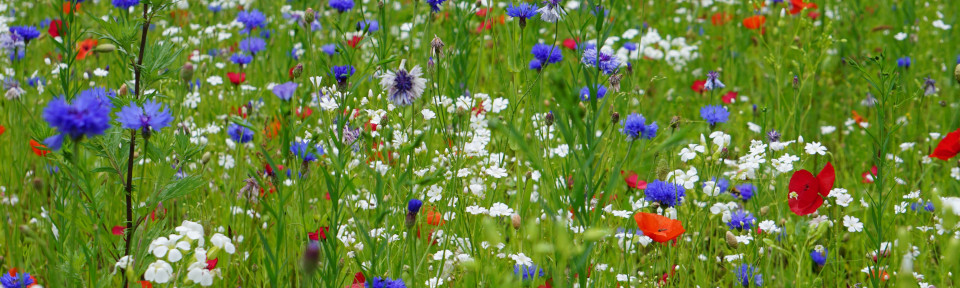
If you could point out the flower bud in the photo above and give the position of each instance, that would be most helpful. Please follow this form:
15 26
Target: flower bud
410 220
297 71
548 119
515 220
675 122
732 240
186 72
124 90
105 48
205 158
311 257
764 210
615 82
615 117
956 73
309 16
437 45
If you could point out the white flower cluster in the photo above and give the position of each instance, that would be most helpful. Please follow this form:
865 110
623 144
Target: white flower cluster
188 241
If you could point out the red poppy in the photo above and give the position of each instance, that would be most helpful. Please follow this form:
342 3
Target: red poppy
272 129
730 97
146 284
290 73
807 192
948 147
85 48
354 41
237 78
482 12
304 112
570 43
118 230
434 218
320 234
856 117
698 86
633 180
67 8
39 149
54 28
868 177
212 263
658 228
2 129
359 278
720 18
754 22
799 5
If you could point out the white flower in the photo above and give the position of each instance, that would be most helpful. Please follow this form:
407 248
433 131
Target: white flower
199 274
192 230
496 172
852 223
521 259
690 152
900 36
158 272
124 262
710 188
769 226
814 148
551 12
427 114
222 242
169 247
721 139
688 179
500 209
434 282
215 80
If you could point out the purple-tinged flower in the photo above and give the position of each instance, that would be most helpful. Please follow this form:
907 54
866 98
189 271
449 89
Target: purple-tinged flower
714 114
403 86
373 25
904 62
435 5
252 19
747 274
239 133
88 115
544 54
151 117
630 46
241 58
378 282
527 272
552 11
330 49
819 255
522 12
635 127
745 191
608 63
304 151
341 5
413 206
585 92
341 73
285 91
26 33
713 81
773 136
125 4
16 280
253 45
741 220
665 193
929 86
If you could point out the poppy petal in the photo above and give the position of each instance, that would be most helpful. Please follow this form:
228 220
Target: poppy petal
948 147
826 178
804 197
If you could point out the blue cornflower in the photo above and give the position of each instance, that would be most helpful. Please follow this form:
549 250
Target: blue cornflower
413 206
239 133
741 220
330 49
35 81
285 91
341 5
723 184
747 275
372 24
920 205
904 62
251 20
773 136
241 58
527 272
341 73
819 255
544 54
714 114
17 280
301 149
125 4
151 117
253 45
667 194
523 11
27 33
215 8
535 65
635 127
585 92
315 26
435 5
403 86
713 81
745 191
295 52
929 86
630 46
607 63
378 282
88 115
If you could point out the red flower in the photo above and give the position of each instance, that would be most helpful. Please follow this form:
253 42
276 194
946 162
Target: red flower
118 230
146 284
55 27
754 22
570 43
237 78
304 112
320 234
868 177
698 86
85 48
730 97
359 278
633 180
38 148
807 192
212 263
658 228
720 18
354 41
798 6
948 147
482 12
2 129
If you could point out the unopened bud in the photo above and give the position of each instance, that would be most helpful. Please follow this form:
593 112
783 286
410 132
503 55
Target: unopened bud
297 71
105 48
675 122
205 158
548 119
732 240
411 219
523 22
956 73
311 257
437 45
186 72
124 90
615 117
308 16
764 210
515 220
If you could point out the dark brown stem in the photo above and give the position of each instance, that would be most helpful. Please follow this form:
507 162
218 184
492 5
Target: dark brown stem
128 232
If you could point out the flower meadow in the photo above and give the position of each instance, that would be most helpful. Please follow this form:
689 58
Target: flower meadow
449 143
